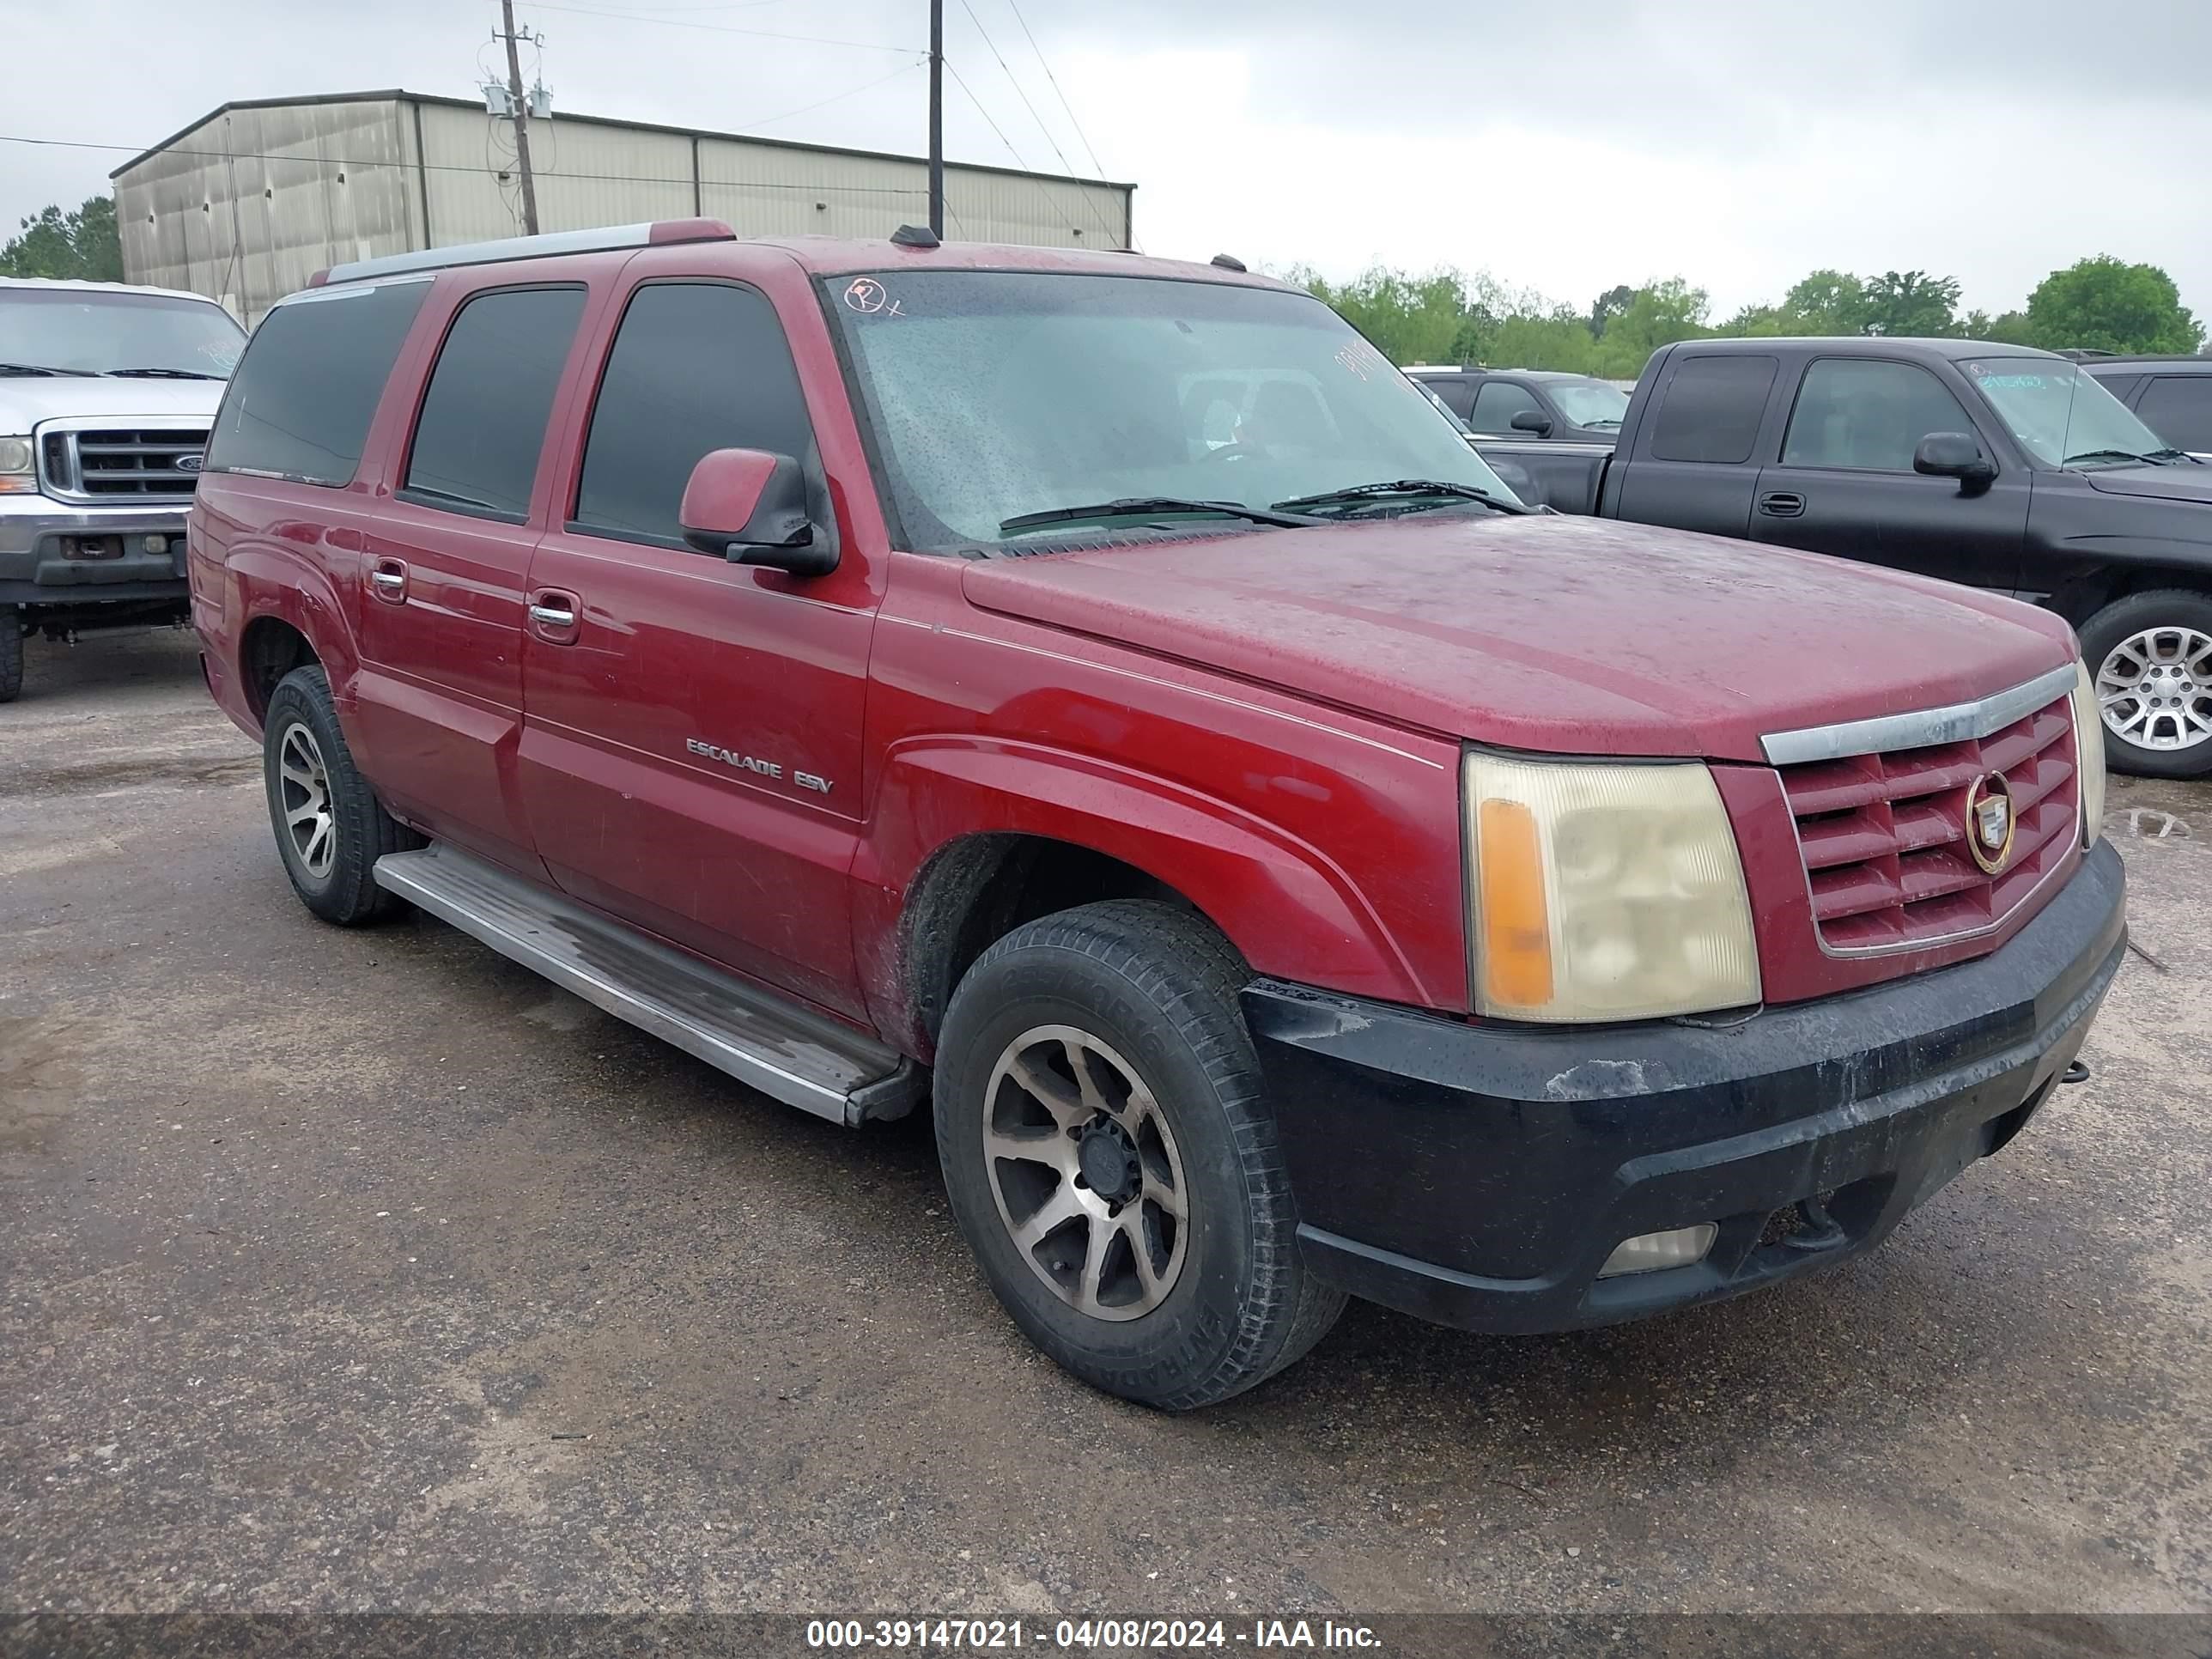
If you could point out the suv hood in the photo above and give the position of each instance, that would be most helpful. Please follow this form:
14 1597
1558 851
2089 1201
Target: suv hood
2181 482
1558 634
26 400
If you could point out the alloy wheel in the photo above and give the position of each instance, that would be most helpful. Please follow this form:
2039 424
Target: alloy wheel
2154 689
305 789
1083 1169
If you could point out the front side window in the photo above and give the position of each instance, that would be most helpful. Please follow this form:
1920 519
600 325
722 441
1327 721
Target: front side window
1711 410
75 331
2061 416
1589 403
695 367
483 417
307 386
1455 392
995 395
2179 408
1497 403
1868 417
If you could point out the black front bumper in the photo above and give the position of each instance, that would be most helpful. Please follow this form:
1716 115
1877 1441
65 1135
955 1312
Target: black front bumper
1480 1175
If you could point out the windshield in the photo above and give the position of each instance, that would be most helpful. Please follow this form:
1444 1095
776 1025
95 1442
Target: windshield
2060 414
97 333
996 394
1588 402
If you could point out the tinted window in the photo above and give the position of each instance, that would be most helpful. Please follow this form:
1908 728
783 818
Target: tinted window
2179 408
483 417
1497 403
2120 385
1868 417
1458 394
1711 410
695 367
300 402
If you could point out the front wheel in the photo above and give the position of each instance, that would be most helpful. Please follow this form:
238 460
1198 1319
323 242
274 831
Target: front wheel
2150 655
1112 1162
11 652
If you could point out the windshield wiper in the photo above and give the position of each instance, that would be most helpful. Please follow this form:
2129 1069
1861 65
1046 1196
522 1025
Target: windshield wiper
1136 505
1352 495
39 368
160 375
1594 424
2169 455
2110 455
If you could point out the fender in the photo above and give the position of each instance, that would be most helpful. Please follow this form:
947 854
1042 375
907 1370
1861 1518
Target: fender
269 581
1290 909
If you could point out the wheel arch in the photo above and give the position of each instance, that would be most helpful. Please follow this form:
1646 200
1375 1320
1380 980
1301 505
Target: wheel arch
291 615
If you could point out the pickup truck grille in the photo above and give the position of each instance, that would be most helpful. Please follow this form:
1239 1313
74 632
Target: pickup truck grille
121 464
1884 835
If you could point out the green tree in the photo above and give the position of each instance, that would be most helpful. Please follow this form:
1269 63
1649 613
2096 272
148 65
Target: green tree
1659 314
1608 305
1410 319
1908 304
82 245
1823 302
2104 304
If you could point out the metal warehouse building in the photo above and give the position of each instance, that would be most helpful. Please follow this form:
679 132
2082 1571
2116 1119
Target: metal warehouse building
248 202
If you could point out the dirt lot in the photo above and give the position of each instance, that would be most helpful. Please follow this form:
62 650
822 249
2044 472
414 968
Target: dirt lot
366 1271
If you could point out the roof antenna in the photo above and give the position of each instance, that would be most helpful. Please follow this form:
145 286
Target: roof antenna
1227 261
915 236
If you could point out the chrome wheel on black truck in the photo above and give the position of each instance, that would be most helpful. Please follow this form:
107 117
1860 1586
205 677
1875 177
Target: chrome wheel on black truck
2150 657
1112 1163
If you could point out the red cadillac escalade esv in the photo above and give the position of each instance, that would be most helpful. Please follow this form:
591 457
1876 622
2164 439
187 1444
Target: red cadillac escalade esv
1101 697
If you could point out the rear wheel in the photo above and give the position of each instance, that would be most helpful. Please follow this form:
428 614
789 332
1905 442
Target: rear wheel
11 652
1112 1162
2150 655
331 828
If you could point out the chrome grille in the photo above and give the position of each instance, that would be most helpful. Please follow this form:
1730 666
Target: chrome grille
1884 835
120 464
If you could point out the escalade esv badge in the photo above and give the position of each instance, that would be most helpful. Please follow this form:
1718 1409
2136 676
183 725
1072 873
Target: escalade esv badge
758 767
1989 821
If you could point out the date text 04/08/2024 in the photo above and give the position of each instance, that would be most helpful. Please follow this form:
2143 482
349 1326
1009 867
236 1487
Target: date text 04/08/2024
1168 1635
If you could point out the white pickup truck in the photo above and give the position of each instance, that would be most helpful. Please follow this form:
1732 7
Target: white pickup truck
106 395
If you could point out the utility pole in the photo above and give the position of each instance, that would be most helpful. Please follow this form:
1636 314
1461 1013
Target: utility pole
521 106
936 116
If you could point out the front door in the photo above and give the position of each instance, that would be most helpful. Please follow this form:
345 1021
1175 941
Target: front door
439 697
691 751
1845 483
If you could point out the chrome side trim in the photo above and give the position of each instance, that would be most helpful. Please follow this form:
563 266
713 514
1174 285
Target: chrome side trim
1957 723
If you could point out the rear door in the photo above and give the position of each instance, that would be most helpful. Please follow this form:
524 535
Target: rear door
1844 482
1692 467
691 757
443 566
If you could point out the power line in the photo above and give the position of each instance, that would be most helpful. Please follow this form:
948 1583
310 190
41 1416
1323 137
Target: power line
1100 166
851 92
986 114
1067 166
715 29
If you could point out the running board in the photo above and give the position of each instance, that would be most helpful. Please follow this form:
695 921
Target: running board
791 1053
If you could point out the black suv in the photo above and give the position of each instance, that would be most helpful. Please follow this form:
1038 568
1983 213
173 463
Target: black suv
2171 396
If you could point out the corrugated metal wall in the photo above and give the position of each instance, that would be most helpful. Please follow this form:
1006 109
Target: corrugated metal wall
246 206
249 204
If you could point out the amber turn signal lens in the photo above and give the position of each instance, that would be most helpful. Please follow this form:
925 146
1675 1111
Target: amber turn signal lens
1516 944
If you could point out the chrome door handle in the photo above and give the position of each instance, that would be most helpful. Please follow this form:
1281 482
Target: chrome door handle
552 616
389 581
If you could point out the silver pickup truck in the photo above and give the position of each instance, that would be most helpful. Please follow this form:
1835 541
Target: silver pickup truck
106 395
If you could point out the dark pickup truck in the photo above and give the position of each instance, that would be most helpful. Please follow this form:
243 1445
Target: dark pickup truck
1998 466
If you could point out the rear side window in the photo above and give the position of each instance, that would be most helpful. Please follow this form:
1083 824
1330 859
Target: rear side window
2179 408
1712 409
1497 403
1457 393
483 417
300 405
1866 416
695 367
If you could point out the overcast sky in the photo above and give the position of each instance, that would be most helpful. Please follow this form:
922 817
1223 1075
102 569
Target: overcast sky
1561 147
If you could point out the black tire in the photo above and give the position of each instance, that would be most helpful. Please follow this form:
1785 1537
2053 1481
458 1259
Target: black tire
2173 609
339 884
11 652
1158 989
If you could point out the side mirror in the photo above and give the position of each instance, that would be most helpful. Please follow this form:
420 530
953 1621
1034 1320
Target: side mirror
1532 420
749 505
1953 455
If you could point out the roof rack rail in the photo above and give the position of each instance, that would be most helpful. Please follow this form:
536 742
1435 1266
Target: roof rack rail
656 235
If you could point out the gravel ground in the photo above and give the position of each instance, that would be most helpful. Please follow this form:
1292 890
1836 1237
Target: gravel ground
365 1271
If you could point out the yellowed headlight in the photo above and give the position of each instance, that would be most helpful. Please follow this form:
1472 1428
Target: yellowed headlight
2089 746
1604 892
